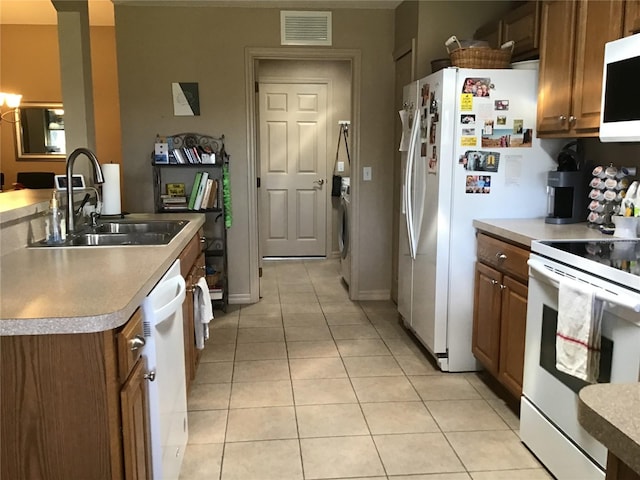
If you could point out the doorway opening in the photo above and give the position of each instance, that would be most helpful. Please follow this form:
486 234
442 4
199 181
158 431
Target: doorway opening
295 101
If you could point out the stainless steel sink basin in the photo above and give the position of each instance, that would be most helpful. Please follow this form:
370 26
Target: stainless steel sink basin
112 234
151 226
119 239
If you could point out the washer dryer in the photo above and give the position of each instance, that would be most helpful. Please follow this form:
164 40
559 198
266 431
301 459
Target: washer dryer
344 230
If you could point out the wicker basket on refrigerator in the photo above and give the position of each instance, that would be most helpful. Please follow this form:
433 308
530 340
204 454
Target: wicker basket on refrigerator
479 57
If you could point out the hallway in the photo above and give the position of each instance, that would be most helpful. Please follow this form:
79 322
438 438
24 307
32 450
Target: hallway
307 384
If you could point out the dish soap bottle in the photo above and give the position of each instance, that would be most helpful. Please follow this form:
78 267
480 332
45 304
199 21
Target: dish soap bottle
54 223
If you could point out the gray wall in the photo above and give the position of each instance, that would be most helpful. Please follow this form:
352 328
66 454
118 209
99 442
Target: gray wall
438 20
160 45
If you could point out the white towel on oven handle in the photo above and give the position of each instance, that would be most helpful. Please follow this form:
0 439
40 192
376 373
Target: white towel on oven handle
203 312
579 331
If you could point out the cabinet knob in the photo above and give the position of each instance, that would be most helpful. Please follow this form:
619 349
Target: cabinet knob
494 282
203 239
572 119
562 118
137 342
501 256
151 376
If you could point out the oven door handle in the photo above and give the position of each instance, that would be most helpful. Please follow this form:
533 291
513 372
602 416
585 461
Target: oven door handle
603 295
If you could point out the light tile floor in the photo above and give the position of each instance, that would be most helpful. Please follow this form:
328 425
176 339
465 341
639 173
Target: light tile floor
307 384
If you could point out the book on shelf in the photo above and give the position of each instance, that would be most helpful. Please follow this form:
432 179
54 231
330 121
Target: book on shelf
161 152
179 156
175 206
176 189
173 199
196 155
207 192
194 190
213 196
204 176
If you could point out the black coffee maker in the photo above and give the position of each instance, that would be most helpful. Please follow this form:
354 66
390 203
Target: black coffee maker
567 188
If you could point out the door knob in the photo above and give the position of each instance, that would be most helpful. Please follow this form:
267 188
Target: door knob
319 182
151 376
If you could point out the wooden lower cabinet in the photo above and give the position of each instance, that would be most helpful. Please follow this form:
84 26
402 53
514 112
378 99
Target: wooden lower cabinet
192 267
500 311
513 321
486 317
67 414
134 401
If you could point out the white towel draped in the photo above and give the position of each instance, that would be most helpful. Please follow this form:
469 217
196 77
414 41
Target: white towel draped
579 331
202 312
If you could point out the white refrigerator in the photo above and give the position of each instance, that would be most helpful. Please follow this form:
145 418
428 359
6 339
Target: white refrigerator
470 153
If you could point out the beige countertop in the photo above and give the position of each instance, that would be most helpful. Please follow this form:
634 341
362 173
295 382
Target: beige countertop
524 231
86 289
610 412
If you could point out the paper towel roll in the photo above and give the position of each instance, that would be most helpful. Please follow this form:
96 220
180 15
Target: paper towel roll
111 189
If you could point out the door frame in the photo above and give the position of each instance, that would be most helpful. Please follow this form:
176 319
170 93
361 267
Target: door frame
328 233
252 56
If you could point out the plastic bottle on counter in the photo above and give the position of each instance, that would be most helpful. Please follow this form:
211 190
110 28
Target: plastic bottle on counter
55 227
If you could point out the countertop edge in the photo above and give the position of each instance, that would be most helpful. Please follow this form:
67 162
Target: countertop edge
596 413
103 321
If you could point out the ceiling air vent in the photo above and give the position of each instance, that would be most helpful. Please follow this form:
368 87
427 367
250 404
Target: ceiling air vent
305 28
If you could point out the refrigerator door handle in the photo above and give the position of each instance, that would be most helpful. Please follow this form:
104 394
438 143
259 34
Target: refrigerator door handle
409 179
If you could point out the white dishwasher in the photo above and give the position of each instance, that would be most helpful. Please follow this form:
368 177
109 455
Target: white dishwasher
164 352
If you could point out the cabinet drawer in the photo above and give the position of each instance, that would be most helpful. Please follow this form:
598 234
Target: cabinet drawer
190 253
503 256
130 343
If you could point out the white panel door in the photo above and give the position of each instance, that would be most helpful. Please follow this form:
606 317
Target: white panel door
293 158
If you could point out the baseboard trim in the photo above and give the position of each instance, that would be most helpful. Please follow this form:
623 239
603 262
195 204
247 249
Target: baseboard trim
374 295
240 299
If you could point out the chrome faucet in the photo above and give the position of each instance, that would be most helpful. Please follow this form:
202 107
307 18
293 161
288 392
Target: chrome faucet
98 178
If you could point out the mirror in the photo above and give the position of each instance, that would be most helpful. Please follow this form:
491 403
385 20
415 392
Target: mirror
39 131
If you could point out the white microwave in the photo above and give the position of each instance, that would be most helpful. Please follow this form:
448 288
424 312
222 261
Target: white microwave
620 107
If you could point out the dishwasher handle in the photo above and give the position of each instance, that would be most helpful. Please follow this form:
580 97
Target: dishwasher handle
169 286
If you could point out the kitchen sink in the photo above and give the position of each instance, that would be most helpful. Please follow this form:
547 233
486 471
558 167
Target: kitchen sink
127 233
152 226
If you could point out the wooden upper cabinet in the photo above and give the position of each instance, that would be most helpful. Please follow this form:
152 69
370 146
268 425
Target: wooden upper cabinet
573 35
490 32
556 65
631 17
599 22
522 25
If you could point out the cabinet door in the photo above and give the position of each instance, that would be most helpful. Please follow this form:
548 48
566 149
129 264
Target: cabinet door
557 46
191 354
486 317
512 334
135 425
522 25
188 329
491 33
631 17
598 23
